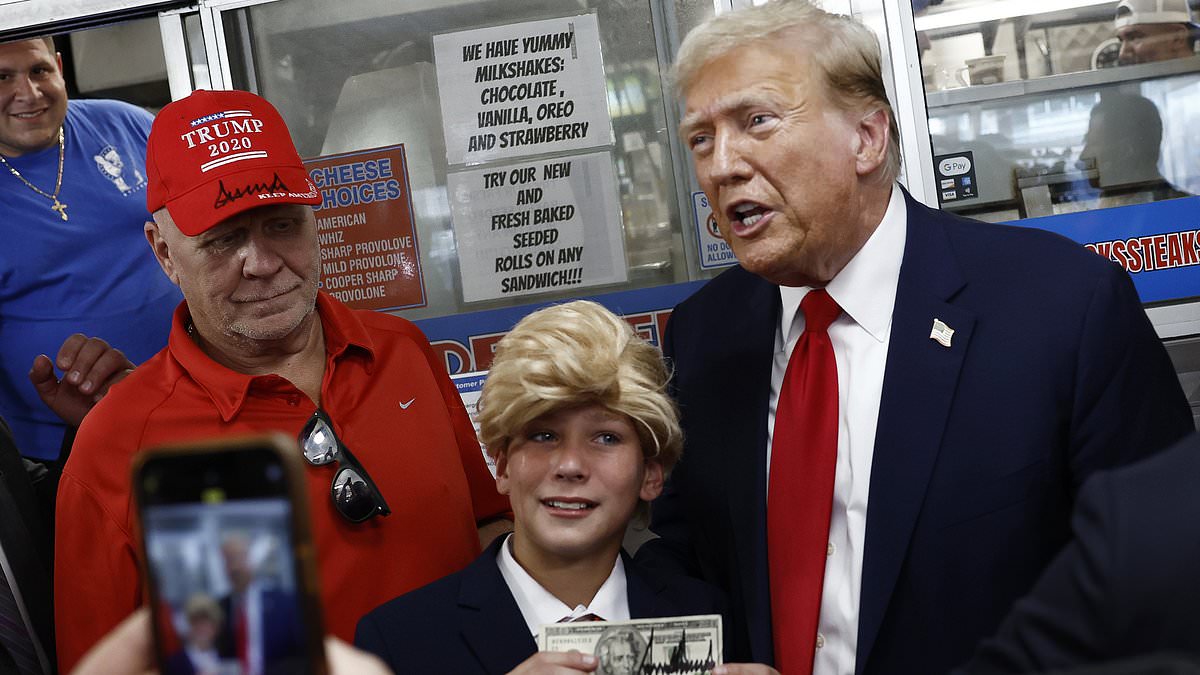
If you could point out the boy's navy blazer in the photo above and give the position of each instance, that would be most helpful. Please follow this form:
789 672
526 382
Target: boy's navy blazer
469 622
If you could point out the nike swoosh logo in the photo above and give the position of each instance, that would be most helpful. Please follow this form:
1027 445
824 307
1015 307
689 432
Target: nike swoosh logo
404 406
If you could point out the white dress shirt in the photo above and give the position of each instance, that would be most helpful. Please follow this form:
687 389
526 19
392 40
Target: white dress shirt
204 661
866 291
251 599
538 606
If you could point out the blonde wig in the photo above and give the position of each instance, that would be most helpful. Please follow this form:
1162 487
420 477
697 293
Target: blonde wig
576 354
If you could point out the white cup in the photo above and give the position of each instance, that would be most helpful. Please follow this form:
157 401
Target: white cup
983 70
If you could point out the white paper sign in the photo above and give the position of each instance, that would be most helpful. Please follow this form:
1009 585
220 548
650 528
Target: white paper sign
470 389
522 89
537 227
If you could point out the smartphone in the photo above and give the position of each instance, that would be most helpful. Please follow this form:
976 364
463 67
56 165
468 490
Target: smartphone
227 551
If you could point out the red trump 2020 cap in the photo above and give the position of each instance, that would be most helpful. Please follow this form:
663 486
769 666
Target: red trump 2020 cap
215 154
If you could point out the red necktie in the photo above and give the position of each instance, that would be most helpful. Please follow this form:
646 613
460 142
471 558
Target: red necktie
800 489
241 630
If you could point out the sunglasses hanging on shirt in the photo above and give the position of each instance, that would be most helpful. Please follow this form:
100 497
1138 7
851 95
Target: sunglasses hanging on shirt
354 494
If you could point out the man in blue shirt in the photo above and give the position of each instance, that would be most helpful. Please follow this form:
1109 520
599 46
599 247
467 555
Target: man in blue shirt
72 207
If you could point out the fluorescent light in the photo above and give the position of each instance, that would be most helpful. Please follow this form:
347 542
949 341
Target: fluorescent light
992 11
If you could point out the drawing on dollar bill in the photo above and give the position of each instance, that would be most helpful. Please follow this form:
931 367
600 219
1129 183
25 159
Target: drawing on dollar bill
682 645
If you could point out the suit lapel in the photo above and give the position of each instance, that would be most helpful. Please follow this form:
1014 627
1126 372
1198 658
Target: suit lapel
490 621
918 389
643 591
747 393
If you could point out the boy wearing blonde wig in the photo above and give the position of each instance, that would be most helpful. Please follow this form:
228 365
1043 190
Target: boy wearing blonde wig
576 415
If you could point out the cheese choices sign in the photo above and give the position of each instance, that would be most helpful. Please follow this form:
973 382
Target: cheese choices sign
369 253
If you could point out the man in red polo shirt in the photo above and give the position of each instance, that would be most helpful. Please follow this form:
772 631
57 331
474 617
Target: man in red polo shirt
256 347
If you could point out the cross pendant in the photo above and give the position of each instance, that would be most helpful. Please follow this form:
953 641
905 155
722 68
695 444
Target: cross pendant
61 208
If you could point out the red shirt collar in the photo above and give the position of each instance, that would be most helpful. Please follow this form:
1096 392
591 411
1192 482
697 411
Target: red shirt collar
228 388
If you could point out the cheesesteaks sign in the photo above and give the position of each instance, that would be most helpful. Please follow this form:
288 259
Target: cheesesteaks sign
537 227
369 254
522 89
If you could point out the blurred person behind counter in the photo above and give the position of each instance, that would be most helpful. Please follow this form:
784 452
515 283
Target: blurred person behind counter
1155 30
1123 145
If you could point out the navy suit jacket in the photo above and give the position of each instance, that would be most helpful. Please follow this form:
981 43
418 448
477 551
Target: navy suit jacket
469 622
1127 585
26 538
179 663
1054 371
282 630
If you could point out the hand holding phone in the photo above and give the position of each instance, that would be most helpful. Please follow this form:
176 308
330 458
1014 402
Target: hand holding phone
229 559
129 650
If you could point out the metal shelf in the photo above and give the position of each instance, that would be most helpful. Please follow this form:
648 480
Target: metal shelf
1054 83
969 15
24 19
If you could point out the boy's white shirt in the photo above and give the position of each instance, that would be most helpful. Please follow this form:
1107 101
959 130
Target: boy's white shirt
538 606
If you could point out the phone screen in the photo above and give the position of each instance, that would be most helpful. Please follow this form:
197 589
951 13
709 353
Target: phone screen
226 585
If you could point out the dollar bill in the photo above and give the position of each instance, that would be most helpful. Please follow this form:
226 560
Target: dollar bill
682 645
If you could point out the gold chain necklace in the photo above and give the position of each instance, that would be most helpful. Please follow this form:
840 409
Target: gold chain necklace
60 207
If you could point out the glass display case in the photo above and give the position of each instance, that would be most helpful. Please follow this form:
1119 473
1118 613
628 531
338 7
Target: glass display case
1040 115
365 74
1051 114
1073 142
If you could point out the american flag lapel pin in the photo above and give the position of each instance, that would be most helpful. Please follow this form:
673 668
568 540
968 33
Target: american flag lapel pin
941 333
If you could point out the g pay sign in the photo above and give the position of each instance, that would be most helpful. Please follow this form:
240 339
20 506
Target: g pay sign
714 252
